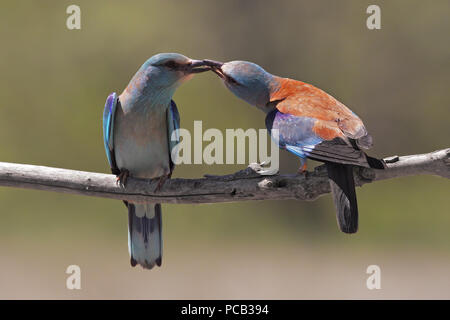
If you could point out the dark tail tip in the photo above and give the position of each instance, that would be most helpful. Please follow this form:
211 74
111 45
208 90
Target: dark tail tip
375 163
133 262
159 262
346 211
344 196
347 224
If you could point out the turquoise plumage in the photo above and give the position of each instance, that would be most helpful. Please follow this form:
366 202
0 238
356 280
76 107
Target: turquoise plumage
137 130
108 129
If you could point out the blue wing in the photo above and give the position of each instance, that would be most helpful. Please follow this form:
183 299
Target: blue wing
108 130
173 124
296 135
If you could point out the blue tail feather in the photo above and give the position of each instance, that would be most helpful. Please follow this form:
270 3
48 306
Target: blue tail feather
145 234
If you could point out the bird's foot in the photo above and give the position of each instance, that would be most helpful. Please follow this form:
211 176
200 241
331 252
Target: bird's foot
263 168
161 182
302 169
123 177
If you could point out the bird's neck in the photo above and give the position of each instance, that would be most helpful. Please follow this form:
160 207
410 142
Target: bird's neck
274 84
146 98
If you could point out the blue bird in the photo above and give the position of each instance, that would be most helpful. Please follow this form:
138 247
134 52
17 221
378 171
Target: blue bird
137 130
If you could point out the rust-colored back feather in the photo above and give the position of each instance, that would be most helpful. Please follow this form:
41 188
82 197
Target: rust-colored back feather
305 100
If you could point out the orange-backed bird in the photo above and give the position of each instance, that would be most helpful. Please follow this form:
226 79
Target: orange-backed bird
311 124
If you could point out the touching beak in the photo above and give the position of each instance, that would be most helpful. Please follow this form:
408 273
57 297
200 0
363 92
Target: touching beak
198 66
215 66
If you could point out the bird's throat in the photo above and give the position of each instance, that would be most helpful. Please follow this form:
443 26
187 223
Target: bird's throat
144 102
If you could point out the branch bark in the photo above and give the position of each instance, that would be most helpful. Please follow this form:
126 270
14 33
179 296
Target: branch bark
243 185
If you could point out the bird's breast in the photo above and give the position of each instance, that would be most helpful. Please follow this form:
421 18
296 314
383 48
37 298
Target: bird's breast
141 143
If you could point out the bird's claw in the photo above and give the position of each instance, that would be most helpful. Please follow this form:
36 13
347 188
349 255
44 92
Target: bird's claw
302 169
161 182
261 168
123 177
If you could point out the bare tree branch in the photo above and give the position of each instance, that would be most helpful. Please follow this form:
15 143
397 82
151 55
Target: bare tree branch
243 185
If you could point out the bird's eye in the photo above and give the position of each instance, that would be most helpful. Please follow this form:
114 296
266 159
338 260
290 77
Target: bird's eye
171 64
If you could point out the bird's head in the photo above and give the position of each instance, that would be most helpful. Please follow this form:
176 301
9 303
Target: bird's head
172 69
246 80
159 77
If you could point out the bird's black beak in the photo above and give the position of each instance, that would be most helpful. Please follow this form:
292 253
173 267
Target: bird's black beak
197 66
215 66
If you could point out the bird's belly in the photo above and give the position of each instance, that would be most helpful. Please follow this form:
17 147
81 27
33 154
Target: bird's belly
141 145
149 162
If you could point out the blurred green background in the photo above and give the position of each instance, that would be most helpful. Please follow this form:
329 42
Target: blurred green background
53 85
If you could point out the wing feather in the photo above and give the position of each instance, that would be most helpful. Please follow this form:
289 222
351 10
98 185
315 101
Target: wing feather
305 100
296 134
108 130
173 124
